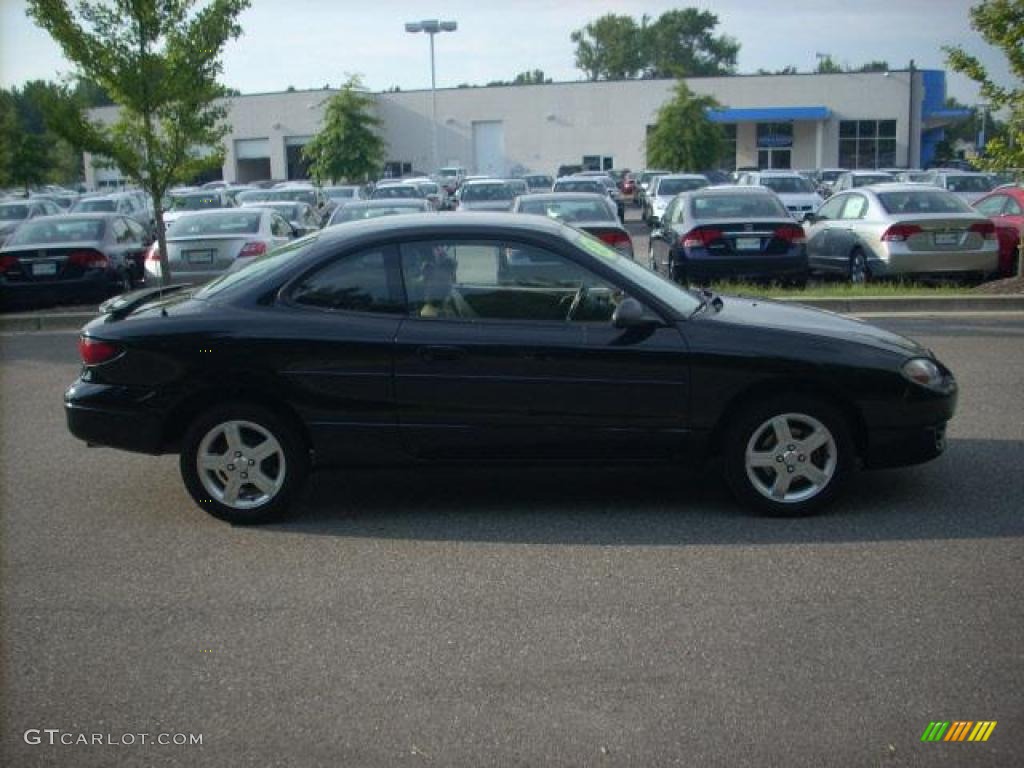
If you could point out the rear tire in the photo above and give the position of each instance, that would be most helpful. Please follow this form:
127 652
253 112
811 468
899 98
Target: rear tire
858 271
243 463
788 455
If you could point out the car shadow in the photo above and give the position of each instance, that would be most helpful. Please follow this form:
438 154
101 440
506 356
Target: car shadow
973 491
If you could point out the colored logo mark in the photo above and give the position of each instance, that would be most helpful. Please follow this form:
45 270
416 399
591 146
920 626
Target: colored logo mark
959 730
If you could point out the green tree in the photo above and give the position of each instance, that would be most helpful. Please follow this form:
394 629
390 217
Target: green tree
683 138
828 66
878 65
1001 24
348 145
609 48
159 60
32 153
531 77
682 43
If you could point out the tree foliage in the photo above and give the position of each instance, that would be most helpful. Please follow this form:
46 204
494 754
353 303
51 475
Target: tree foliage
348 146
31 152
1001 24
683 138
159 60
679 43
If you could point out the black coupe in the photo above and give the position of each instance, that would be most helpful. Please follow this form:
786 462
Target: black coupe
493 337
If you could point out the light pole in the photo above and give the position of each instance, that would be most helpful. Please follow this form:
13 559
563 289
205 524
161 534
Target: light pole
432 27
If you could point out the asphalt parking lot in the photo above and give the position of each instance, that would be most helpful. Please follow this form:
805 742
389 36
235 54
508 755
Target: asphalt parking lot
541 617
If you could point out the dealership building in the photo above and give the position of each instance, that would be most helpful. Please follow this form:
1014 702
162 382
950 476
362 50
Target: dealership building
848 120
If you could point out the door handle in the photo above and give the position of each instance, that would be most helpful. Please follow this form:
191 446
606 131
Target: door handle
441 354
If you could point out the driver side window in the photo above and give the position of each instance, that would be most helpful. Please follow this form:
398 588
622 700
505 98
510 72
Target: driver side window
488 280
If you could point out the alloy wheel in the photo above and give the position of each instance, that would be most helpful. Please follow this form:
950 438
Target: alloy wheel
241 464
791 458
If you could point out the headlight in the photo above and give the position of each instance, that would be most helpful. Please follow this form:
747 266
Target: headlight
922 371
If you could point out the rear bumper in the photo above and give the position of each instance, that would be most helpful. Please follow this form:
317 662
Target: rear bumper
741 268
94 286
113 416
897 260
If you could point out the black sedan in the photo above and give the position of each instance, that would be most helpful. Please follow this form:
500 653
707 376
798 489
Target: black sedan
593 213
493 337
71 257
729 233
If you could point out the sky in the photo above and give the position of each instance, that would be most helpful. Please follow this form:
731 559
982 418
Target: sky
312 43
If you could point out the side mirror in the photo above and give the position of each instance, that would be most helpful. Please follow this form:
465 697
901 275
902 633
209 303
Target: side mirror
630 314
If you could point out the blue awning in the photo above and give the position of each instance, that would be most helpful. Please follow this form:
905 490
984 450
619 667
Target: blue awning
767 114
949 113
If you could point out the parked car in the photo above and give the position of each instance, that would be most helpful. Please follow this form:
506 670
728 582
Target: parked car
855 179
912 176
538 182
485 195
462 338
13 213
728 233
628 186
663 188
518 186
202 200
373 209
130 204
451 177
70 258
393 191
797 193
201 246
900 229
435 193
1004 207
593 213
303 193
302 216
346 193
967 185
643 183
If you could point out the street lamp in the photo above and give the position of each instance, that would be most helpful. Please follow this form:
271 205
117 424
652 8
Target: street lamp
432 27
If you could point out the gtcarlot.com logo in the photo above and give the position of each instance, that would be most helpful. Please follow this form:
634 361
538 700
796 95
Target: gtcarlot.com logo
57 737
958 730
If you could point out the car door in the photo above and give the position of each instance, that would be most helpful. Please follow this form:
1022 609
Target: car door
503 356
820 242
663 237
338 327
847 233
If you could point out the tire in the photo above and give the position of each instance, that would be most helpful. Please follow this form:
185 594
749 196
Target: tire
815 472
273 446
858 271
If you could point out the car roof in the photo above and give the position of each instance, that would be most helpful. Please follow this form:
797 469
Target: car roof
100 216
688 176
731 189
476 223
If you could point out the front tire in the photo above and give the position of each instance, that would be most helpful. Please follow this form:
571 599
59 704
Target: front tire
243 463
788 455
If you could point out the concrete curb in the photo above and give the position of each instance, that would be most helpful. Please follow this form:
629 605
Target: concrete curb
72 321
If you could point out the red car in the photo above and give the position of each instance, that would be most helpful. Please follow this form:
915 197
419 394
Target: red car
628 186
1004 207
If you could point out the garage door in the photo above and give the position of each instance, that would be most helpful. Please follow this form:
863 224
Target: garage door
489 147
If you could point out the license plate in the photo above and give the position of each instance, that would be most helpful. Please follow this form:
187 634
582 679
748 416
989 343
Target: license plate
198 257
748 243
947 238
46 268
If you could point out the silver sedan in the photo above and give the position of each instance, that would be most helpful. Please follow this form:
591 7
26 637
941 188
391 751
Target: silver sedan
202 246
900 229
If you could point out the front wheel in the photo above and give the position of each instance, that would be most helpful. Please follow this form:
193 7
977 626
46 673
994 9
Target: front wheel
788 455
243 463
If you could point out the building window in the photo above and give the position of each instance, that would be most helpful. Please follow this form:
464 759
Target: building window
774 145
727 160
867 143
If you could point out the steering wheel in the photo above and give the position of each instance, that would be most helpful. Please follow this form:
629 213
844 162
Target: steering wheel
577 301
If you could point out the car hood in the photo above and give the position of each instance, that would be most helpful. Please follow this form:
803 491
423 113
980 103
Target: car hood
6 227
486 205
796 318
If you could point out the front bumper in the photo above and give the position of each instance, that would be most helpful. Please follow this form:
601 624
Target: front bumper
904 447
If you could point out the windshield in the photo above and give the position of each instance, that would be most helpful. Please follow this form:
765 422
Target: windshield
13 212
830 176
568 210
865 180
95 206
539 181
518 186
672 187
736 206
237 223
252 196
923 201
968 184
428 188
661 288
472 192
449 172
195 202
258 267
579 185
396 190
341 193
62 229
359 212
787 185
302 195
288 210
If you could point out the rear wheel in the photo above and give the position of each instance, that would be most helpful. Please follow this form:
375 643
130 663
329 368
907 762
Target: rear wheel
243 463
788 455
858 271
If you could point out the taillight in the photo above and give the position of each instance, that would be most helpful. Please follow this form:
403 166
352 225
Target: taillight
616 239
899 232
88 260
791 234
699 238
252 249
94 352
985 228
6 262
